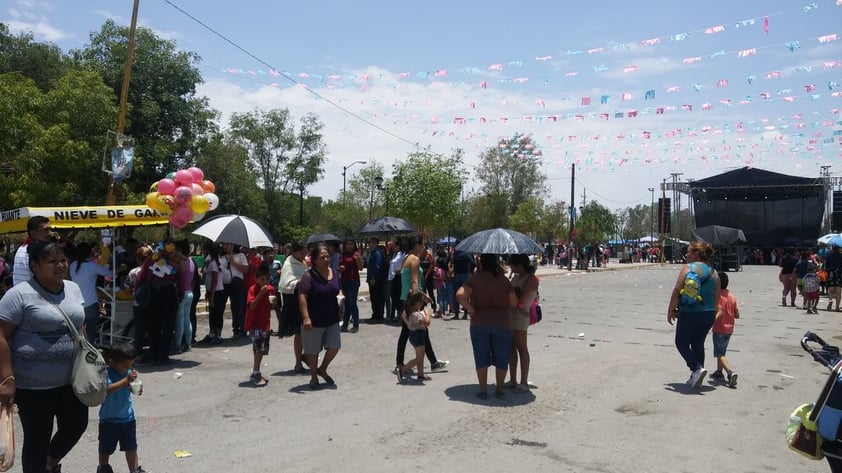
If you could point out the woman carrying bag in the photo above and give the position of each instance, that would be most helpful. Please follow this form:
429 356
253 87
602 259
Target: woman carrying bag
36 359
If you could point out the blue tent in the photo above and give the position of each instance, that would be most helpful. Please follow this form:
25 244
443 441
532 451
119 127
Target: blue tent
448 240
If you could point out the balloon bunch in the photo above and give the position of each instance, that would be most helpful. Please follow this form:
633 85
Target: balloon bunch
184 195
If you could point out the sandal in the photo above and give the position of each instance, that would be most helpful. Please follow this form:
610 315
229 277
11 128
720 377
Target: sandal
327 378
510 384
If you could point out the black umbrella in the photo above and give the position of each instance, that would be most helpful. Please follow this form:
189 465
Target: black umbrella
500 241
235 229
385 225
323 238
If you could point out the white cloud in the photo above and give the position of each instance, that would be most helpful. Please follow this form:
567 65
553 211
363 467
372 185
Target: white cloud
42 29
615 161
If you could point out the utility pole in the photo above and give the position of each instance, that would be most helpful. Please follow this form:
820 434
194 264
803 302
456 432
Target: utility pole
652 214
572 216
584 197
124 95
662 221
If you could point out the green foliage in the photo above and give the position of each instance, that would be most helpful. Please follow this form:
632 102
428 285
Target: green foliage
527 217
43 63
424 190
284 159
595 224
554 222
227 165
169 123
510 172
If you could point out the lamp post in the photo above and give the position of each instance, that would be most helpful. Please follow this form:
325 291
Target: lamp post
378 183
652 214
345 171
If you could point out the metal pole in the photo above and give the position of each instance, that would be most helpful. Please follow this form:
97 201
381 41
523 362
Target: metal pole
652 214
300 205
345 171
572 220
124 94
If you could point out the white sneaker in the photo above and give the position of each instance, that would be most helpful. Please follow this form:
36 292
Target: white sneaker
697 377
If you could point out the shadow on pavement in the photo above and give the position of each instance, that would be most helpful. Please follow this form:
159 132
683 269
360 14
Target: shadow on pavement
149 367
682 388
467 393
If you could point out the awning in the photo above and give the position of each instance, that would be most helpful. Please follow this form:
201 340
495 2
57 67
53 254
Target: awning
13 221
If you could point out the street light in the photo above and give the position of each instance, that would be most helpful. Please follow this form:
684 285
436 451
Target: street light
345 171
378 183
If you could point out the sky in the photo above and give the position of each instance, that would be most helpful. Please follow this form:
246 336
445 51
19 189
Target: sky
629 92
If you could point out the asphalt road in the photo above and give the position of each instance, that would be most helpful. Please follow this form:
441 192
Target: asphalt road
608 396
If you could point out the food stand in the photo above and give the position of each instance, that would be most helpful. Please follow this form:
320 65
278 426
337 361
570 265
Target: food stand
119 313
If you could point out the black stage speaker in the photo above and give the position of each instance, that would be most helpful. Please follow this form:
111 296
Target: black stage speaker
664 215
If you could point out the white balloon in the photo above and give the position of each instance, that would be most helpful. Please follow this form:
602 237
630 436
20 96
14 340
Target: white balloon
213 200
198 217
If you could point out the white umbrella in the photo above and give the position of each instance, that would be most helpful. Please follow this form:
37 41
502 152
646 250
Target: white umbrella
824 240
235 229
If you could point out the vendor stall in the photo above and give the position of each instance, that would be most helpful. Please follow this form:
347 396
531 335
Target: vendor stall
118 307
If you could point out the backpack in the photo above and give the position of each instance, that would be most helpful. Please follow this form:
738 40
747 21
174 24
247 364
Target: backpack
692 285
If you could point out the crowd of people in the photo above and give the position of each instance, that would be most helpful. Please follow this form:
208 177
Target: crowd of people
318 287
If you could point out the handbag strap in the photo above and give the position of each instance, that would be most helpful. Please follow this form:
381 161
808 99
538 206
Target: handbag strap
73 332
820 402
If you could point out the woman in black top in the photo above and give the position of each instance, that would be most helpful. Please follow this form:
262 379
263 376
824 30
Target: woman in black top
786 277
833 266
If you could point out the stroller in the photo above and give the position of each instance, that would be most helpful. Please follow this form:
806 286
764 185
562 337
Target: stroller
828 356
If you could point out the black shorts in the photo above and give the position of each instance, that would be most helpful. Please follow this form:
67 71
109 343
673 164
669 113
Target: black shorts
111 433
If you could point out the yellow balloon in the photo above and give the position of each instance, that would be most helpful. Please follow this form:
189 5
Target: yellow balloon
199 204
151 199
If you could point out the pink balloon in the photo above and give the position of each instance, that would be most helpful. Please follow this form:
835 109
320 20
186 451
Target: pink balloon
183 212
177 222
184 177
166 186
198 174
197 189
183 195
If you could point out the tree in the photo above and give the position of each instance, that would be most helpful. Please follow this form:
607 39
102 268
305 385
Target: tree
511 173
554 221
595 224
169 123
425 188
527 217
20 108
43 63
226 164
283 159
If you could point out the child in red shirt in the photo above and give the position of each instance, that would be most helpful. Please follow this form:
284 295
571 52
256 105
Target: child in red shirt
723 327
258 320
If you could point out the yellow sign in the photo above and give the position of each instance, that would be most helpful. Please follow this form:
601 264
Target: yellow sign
12 221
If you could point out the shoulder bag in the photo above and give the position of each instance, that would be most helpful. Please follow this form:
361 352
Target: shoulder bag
89 377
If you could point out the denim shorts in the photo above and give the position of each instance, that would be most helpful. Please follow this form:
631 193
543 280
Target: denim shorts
111 433
418 338
720 343
492 346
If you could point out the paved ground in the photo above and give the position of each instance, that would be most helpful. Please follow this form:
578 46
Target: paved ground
609 395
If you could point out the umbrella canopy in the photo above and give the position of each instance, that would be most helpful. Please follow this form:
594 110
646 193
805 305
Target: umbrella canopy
385 225
449 240
500 241
235 229
323 238
647 239
825 239
835 241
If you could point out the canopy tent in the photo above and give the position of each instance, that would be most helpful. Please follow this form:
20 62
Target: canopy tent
718 235
13 221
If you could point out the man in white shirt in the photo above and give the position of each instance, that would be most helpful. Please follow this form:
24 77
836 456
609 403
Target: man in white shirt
37 229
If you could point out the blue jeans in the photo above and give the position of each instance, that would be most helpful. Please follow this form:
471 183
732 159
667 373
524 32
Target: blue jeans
690 332
492 346
183 327
458 280
443 299
352 311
